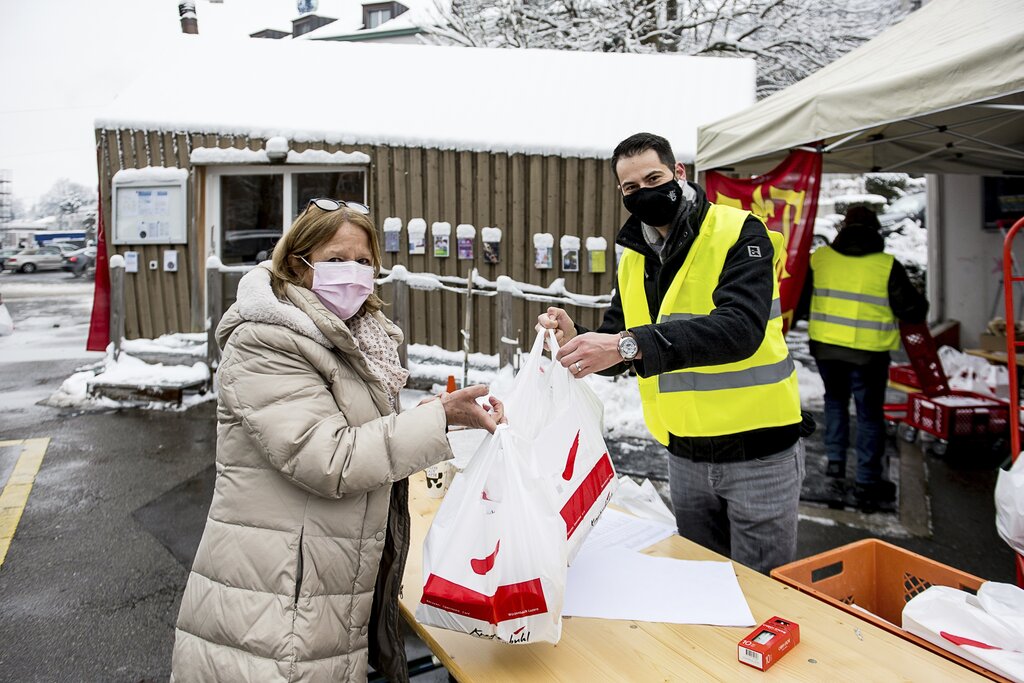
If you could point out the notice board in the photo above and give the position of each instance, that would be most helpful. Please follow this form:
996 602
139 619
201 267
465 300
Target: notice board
149 211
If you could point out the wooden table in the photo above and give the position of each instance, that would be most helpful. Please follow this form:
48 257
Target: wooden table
834 646
1000 357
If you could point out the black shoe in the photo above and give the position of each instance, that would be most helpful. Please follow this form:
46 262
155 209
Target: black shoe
870 496
836 470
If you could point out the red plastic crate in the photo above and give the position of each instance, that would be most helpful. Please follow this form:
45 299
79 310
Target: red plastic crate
939 416
903 373
924 358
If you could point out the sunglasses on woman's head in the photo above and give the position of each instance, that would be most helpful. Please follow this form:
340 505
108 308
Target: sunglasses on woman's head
327 204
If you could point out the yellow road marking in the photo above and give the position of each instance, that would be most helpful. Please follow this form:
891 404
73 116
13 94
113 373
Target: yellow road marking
19 485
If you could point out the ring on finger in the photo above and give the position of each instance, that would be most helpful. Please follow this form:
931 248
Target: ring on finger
579 368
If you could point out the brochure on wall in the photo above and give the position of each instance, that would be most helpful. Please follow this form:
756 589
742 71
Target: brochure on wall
570 245
417 236
596 251
543 246
466 236
442 234
492 245
392 234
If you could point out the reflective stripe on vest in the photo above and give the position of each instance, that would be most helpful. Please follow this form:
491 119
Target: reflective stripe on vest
850 302
756 392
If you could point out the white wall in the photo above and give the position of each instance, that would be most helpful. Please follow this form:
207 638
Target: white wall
965 261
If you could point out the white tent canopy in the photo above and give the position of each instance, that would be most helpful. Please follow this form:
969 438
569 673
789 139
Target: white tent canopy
940 92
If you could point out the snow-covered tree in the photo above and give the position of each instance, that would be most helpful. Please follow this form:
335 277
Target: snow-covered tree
65 197
789 39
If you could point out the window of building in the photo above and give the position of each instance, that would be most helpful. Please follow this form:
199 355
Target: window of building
376 17
248 209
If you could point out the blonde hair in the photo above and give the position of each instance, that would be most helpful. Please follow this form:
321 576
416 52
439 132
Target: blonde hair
312 229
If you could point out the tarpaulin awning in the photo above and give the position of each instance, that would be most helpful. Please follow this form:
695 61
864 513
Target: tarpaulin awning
940 92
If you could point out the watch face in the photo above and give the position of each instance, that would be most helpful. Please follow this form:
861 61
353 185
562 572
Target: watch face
627 348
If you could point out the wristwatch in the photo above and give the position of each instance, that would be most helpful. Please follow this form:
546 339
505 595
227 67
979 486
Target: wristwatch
627 346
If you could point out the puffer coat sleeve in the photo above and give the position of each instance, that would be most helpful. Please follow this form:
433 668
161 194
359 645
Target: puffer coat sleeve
292 411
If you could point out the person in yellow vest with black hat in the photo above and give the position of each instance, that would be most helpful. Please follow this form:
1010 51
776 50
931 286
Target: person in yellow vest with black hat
696 313
857 295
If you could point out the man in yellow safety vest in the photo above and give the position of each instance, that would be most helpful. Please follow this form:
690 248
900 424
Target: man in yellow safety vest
857 294
696 314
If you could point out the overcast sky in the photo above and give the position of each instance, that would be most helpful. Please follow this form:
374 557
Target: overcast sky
63 60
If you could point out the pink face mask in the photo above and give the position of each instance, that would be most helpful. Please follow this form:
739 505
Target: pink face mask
342 286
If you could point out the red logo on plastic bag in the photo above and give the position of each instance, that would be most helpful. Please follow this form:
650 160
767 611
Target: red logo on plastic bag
570 462
485 565
513 601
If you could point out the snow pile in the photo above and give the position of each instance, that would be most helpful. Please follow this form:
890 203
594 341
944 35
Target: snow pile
440 229
465 231
128 370
218 155
319 156
596 244
569 242
417 227
392 224
188 343
543 239
812 389
150 174
491 234
230 155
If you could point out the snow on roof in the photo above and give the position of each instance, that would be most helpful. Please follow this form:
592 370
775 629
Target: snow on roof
529 101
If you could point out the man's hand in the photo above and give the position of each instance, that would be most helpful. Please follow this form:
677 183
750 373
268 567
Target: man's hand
558 320
589 353
461 409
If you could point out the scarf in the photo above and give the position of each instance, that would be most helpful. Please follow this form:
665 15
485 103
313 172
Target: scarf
381 354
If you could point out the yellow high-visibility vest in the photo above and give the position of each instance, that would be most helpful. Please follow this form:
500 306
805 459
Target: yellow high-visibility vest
850 302
756 392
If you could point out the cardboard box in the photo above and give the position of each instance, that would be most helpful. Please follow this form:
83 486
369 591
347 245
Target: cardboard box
992 342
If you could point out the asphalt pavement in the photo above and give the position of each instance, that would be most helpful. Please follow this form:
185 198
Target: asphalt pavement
91 583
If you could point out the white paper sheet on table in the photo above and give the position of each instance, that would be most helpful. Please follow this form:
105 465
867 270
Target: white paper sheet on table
615 529
615 583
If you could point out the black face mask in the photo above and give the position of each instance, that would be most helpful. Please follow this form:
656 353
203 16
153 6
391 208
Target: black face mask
655 206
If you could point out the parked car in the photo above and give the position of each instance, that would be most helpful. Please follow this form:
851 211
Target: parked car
80 261
31 260
4 253
65 247
910 206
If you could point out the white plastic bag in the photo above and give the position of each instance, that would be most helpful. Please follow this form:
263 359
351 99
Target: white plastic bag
643 500
563 418
987 630
1010 505
494 560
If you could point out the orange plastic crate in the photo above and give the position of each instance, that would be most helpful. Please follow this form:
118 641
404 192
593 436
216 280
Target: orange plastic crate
880 578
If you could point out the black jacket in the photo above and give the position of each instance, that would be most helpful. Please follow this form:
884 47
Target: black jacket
907 303
733 331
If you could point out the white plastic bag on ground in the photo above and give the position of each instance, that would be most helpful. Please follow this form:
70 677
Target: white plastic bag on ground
643 500
987 629
563 418
494 560
6 324
1010 505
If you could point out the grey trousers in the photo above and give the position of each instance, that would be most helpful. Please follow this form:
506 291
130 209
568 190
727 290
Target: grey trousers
744 510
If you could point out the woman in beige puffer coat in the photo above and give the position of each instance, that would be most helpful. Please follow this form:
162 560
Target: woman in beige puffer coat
299 568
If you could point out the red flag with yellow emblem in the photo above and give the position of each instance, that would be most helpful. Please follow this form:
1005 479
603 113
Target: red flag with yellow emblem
786 199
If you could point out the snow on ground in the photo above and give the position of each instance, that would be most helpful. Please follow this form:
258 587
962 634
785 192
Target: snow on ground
57 327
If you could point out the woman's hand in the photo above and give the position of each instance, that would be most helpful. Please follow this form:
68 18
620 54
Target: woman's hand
497 409
461 409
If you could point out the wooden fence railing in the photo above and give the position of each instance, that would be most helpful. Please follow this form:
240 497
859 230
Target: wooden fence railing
498 300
